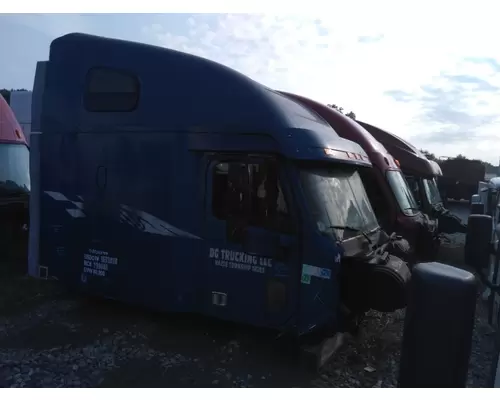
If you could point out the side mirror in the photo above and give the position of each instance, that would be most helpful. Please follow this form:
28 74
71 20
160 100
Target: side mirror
477 208
438 327
477 248
475 199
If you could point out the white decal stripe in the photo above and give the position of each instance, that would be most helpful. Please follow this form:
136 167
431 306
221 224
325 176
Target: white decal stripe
75 213
150 223
153 224
78 204
57 196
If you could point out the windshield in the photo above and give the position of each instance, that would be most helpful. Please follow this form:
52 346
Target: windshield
432 191
337 197
14 169
403 193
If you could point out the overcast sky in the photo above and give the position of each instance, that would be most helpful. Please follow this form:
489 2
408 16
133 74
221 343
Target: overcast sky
431 76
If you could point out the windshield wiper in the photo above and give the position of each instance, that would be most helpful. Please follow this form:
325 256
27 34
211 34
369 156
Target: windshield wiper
352 229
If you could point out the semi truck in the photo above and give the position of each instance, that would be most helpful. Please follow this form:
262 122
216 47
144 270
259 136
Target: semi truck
218 196
14 187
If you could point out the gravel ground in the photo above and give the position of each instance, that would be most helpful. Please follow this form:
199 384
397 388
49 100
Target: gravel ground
51 339
65 342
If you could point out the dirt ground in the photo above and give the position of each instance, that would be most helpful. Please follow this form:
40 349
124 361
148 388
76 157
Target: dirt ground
50 338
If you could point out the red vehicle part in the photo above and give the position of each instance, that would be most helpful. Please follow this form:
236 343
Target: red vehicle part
419 172
10 130
14 187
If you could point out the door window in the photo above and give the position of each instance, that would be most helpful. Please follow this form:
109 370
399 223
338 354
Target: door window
250 191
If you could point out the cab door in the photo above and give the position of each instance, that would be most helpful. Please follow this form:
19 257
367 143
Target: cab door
253 253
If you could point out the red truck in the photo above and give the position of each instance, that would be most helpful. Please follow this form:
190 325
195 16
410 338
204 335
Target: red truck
422 176
389 193
14 185
418 170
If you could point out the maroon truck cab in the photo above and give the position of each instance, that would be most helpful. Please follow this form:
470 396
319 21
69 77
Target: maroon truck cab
419 172
389 193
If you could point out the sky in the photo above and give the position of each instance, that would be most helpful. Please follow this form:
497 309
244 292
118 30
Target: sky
430 75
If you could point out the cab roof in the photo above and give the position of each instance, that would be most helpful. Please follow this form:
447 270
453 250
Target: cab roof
10 130
151 88
410 158
436 167
347 128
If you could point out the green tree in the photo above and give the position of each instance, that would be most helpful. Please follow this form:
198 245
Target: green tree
429 155
490 168
350 114
6 93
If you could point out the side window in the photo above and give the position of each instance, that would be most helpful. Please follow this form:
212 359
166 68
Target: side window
110 90
413 184
250 192
230 190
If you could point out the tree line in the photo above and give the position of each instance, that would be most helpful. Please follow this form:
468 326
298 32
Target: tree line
6 93
490 168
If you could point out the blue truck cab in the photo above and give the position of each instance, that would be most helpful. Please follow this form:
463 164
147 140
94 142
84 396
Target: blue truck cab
174 182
